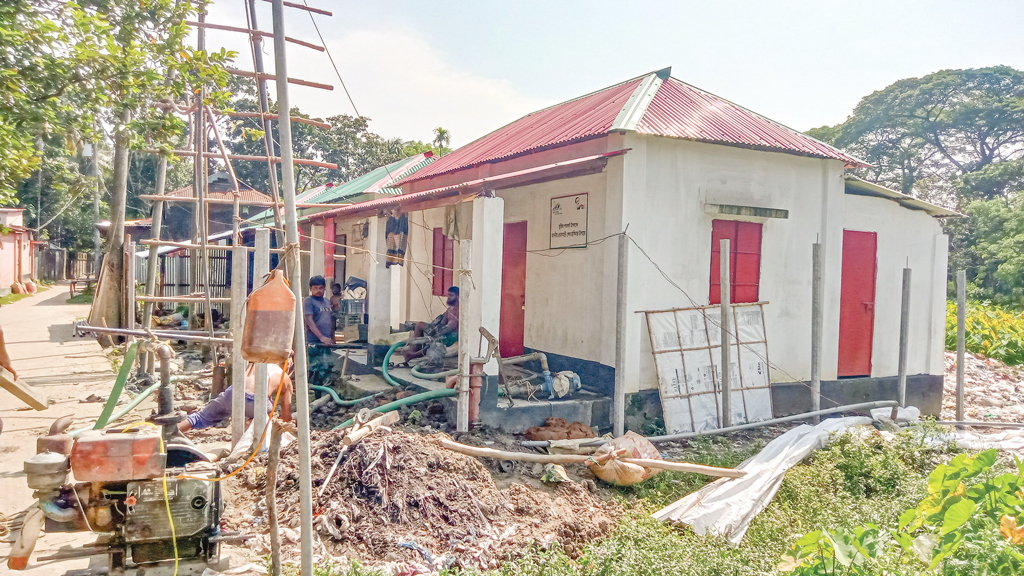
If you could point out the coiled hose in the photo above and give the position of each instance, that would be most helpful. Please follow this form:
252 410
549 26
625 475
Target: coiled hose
387 358
338 400
434 375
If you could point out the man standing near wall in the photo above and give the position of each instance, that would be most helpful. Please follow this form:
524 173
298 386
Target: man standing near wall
318 316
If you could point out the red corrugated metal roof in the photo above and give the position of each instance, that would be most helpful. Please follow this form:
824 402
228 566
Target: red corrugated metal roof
677 110
585 117
245 195
682 111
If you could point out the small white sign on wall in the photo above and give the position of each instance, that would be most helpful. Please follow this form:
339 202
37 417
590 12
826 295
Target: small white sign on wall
569 221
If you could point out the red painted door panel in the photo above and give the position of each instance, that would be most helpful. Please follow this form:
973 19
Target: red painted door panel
513 290
329 249
857 303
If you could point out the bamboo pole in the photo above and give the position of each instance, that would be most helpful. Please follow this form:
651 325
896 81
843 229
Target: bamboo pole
961 340
726 330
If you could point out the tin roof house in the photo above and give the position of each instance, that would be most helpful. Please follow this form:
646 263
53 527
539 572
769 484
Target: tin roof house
595 228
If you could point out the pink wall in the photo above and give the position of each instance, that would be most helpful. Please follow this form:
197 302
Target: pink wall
9 248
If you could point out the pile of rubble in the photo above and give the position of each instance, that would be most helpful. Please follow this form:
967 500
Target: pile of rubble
992 390
406 501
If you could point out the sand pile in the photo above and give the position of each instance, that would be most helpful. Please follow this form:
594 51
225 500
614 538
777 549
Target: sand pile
403 499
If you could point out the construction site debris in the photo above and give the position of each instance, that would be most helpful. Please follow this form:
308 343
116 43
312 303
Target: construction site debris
394 488
992 390
559 429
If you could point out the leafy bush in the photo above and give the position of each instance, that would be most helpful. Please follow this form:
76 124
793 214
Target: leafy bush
990 330
956 530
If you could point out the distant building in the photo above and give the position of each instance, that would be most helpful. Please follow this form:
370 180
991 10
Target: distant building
16 253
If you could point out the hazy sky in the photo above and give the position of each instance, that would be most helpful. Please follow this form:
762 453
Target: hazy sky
472 67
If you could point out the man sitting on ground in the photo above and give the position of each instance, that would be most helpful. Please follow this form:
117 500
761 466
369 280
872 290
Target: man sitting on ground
444 328
219 408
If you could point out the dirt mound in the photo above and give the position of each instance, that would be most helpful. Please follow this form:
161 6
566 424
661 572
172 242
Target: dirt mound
403 498
992 390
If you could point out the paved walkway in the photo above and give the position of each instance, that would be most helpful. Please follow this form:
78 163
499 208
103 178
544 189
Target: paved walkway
38 331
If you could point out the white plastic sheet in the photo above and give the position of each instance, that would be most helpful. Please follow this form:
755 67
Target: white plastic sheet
728 505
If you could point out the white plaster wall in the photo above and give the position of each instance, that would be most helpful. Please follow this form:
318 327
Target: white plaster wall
566 288
666 185
904 236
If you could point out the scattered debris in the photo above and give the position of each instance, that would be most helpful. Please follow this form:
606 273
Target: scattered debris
398 495
992 390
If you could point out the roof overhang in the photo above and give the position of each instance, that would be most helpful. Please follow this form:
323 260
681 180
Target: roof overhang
456 193
860 187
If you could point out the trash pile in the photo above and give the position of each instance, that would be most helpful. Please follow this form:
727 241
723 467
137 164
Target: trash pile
992 390
405 500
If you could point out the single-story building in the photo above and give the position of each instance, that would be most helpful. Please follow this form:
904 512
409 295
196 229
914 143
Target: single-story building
17 258
544 201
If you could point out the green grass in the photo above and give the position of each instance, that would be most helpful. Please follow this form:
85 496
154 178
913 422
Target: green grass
84 297
12 297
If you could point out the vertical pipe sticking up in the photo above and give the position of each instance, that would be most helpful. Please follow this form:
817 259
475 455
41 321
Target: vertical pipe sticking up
129 283
260 268
816 329
961 335
239 277
726 326
292 256
904 333
619 393
465 336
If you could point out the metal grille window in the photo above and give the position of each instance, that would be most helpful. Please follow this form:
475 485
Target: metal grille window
744 259
443 262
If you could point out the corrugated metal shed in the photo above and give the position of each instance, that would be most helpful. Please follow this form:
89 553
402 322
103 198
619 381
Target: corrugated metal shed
375 181
651 104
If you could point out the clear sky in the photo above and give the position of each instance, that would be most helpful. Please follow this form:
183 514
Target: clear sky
472 67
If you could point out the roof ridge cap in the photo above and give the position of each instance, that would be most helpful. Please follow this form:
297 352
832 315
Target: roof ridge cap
636 105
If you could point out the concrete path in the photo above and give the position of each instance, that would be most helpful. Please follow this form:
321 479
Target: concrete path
38 331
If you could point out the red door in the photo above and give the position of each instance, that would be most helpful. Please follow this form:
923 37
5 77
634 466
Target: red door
857 303
513 290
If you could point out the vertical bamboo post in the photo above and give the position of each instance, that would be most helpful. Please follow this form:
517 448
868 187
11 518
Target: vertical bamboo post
260 268
129 282
816 329
239 274
726 309
465 336
273 460
619 397
293 265
961 336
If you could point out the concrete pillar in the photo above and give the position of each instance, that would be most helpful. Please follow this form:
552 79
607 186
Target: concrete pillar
378 282
488 234
396 295
316 252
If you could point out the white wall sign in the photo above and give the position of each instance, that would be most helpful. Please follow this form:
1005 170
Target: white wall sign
569 221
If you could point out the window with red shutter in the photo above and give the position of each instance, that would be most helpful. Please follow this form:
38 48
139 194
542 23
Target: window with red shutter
744 259
443 261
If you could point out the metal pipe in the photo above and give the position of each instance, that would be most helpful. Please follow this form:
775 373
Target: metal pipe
85 329
284 127
239 273
784 419
724 286
526 358
619 391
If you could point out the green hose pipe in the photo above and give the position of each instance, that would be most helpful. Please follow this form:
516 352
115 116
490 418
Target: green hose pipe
434 376
387 358
414 399
115 392
127 408
338 400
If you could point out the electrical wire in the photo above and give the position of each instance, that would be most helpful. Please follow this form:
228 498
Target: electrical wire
167 498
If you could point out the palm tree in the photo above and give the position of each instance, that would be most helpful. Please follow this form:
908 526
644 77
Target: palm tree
442 138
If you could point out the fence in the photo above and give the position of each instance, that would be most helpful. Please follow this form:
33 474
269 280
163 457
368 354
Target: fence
51 264
173 276
80 266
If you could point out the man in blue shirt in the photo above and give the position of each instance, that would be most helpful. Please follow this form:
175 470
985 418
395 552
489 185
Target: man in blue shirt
318 317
